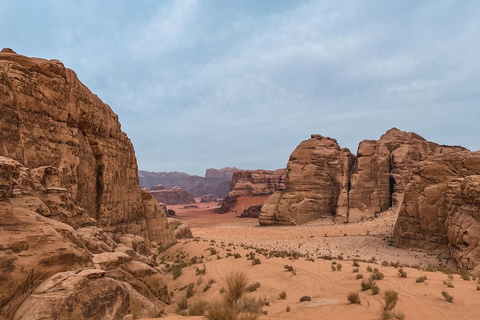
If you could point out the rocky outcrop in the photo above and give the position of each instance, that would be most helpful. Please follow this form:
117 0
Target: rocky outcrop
227 204
252 211
216 181
208 198
173 196
441 207
383 169
316 185
71 143
257 182
324 180
69 192
180 229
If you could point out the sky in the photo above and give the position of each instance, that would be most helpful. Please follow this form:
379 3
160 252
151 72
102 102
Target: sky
202 84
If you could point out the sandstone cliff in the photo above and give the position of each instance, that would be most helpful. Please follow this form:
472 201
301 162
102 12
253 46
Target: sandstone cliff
257 182
441 207
173 196
383 168
325 180
215 181
70 201
316 184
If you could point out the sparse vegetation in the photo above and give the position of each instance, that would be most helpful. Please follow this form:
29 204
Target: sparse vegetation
353 298
339 266
182 304
447 296
305 298
256 261
366 284
402 273
369 269
377 275
334 268
253 287
282 295
198 308
421 279
190 291
355 270
391 299
359 276
375 289
287 309
177 270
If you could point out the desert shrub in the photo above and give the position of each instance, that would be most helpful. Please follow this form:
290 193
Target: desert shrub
213 251
421 279
199 281
253 287
366 284
448 284
450 276
377 275
339 266
386 314
190 292
182 304
369 269
465 275
198 308
355 270
401 273
194 260
359 276
385 264
256 261
375 289
177 270
220 311
283 295
447 296
334 268
478 287
353 298
207 286
287 309
236 284
356 264
340 257
391 299
237 255
305 298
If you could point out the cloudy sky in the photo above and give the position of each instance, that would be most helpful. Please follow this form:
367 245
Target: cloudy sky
200 83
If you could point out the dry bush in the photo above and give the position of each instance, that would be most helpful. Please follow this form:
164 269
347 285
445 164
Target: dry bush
377 275
353 298
391 299
253 287
421 279
198 308
236 284
305 298
401 273
375 289
177 271
367 284
220 311
447 296
339 266
359 276
182 304
283 295
190 292
369 269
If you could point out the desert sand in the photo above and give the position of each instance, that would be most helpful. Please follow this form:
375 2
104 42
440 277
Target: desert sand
328 289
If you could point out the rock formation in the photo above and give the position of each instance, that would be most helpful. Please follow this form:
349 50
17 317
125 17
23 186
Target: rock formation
257 182
324 180
252 211
173 196
227 204
441 207
216 181
208 198
180 229
383 168
69 199
316 184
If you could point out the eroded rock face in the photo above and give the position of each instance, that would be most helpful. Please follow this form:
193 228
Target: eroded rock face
257 182
72 144
208 198
316 184
68 188
383 169
173 196
441 208
252 211
180 229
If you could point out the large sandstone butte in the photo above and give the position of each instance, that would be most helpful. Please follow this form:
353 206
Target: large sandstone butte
316 184
70 201
325 180
441 207
257 182
173 196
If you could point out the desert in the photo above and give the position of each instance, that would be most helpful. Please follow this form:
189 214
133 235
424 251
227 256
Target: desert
240 160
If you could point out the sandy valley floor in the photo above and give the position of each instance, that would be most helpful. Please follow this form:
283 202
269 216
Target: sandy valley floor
328 289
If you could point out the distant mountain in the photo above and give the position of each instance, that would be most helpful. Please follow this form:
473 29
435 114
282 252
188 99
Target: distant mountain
216 181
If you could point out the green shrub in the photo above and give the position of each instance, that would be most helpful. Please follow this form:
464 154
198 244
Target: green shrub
353 298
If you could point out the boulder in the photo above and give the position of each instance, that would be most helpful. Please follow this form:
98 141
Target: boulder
252 212
208 198
180 229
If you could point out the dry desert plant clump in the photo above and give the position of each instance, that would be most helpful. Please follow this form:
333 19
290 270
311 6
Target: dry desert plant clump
447 296
283 295
402 273
388 312
421 279
353 297
305 298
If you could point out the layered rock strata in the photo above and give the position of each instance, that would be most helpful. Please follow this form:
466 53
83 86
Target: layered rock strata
316 185
257 182
441 207
173 196
72 215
